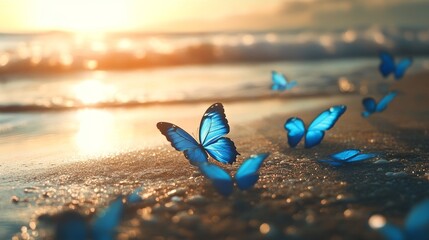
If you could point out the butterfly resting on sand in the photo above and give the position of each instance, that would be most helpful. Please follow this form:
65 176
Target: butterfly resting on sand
280 82
245 177
316 131
347 156
213 128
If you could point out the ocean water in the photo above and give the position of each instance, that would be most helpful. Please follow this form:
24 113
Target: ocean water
66 97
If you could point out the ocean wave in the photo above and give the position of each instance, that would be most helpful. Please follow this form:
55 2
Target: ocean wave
59 52
16 108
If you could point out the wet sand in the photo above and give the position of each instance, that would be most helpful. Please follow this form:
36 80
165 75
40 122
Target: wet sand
295 198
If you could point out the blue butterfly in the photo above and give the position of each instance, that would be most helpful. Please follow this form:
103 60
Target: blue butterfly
73 226
372 107
213 127
388 66
245 177
347 156
316 131
416 226
280 82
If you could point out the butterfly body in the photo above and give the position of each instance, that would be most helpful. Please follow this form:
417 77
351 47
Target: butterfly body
347 156
315 132
388 66
245 177
280 82
213 127
371 106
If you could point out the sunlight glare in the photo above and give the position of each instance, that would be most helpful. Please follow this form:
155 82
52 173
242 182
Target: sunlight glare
95 131
93 91
376 221
81 15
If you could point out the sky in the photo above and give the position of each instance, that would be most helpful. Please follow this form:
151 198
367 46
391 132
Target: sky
207 15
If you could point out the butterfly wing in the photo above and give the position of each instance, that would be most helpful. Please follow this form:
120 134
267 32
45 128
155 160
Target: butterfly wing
338 159
290 85
182 141
391 232
105 225
325 121
71 225
279 81
361 157
332 162
134 197
387 64
382 105
247 175
223 150
417 222
213 127
370 106
345 155
295 131
219 177
401 67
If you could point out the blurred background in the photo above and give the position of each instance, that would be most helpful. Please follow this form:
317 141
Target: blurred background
74 74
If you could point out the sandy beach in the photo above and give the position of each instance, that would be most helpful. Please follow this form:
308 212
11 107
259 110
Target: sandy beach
295 198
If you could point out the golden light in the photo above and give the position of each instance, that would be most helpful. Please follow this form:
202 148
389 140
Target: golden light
125 44
81 15
349 36
93 91
90 64
4 59
95 131
345 85
377 221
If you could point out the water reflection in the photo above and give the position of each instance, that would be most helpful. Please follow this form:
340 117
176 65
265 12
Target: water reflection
95 135
93 91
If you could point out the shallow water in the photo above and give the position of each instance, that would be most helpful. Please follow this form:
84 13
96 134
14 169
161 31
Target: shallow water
43 92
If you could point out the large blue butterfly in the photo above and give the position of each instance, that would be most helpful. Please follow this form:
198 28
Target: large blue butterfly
347 156
245 177
213 127
388 66
372 107
280 82
316 131
416 225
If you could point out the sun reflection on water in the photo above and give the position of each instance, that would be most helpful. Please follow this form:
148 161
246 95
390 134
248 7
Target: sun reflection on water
95 134
93 91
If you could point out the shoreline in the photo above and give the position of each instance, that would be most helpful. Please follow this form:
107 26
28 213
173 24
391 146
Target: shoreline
298 197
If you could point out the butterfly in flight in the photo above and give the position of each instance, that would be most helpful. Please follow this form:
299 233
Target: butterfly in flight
72 225
213 127
372 107
388 65
316 131
280 82
245 177
416 224
347 156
